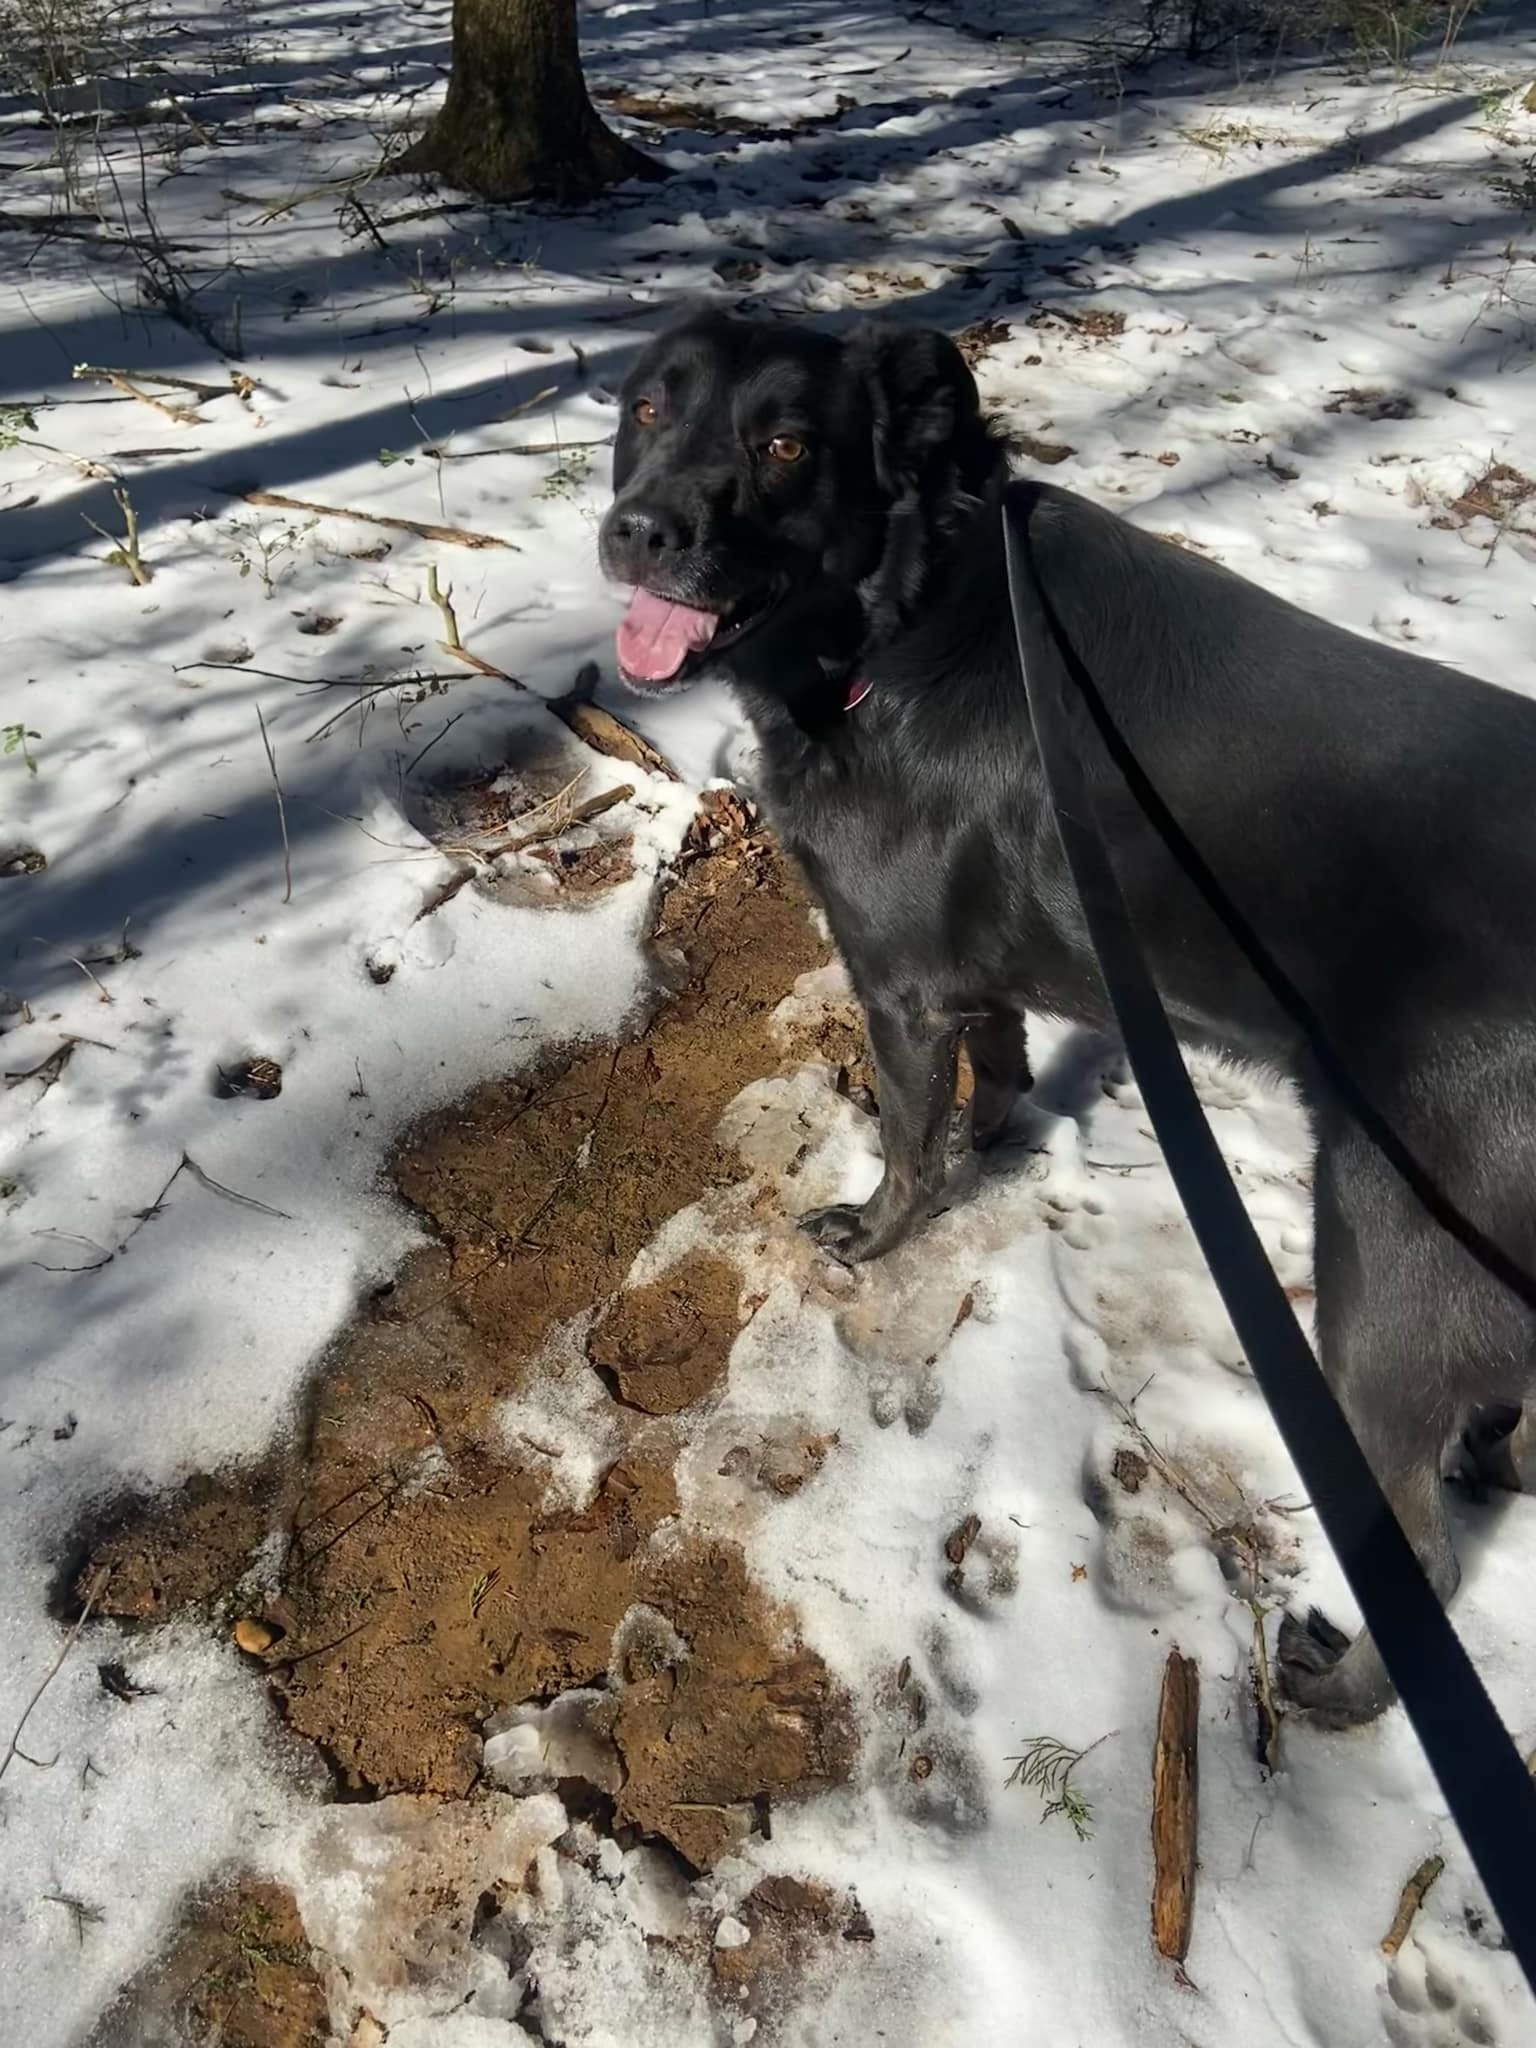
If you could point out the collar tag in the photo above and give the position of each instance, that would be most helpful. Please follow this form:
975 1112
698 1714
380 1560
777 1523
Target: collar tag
858 690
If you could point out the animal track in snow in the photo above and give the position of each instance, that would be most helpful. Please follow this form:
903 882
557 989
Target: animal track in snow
1426 2002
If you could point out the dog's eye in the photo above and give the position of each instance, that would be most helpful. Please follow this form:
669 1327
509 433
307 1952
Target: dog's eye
786 448
643 413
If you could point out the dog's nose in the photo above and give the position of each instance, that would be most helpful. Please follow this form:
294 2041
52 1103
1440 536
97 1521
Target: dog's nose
637 539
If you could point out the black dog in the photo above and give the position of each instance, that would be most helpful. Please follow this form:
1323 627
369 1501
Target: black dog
819 522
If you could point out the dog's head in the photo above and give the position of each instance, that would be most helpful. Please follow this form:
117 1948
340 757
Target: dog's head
780 495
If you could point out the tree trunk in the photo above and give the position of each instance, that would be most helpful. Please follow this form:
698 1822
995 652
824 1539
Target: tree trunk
517 122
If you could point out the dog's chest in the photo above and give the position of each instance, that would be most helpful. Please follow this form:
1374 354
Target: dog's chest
919 893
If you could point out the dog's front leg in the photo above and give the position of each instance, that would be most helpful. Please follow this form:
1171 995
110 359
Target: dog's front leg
915 1054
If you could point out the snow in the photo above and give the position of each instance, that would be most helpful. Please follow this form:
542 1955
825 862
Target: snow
1279 240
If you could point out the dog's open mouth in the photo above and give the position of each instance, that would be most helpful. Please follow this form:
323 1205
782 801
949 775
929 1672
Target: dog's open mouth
660 639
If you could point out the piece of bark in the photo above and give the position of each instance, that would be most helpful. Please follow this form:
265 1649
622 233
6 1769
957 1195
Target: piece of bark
1175 1806
608 735
1414 1893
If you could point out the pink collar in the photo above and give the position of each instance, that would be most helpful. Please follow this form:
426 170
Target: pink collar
858 689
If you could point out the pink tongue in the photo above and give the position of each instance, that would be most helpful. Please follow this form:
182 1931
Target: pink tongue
657 636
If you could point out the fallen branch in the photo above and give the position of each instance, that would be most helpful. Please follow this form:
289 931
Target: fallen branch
1175 1806
66 231
282 815
578 814
456 536
1414 1893
14 1748
239 385
560 820
179 415
515 448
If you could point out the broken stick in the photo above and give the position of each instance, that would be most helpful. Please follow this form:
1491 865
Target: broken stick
456 536
1175 1804
1414 1893
562 821
560 818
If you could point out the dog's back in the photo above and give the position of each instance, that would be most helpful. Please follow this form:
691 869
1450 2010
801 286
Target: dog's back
1371 812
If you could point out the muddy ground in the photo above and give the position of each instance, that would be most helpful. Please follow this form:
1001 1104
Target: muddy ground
398 1569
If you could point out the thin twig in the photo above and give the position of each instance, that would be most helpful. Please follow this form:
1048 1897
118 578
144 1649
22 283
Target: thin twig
416 759
528 405
82 1914
84 967
282 815
14 1748
125 552
217 1187
366 697
185 1164
57 1060
454 643
367 220
457 536
443 599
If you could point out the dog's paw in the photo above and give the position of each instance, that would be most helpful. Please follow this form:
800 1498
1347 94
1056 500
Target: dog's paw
1319 1676
843 1231
1310 1647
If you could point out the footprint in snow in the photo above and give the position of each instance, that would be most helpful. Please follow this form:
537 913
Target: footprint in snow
1426 2002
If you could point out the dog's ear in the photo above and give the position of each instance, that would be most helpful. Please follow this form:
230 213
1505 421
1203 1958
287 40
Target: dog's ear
922 397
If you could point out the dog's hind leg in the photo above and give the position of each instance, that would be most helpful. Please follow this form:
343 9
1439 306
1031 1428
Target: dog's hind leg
916 1053
1399 1319
995 1047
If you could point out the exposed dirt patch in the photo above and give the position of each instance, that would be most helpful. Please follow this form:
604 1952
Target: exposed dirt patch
421 1579
977 341
1372 404
1498 494
664 1346
1092 323
668 115
239 1972
1048 452
790 1926
167 1555
589 869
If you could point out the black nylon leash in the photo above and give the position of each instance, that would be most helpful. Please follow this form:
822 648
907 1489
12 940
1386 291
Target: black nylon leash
1487 1788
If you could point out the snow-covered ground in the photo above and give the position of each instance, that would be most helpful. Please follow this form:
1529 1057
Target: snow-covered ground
1323 292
